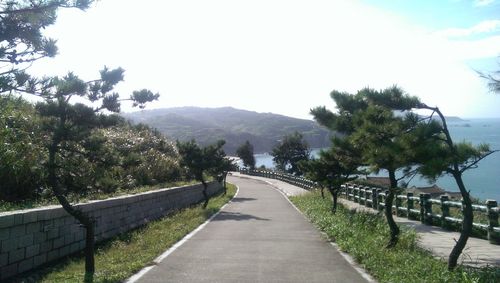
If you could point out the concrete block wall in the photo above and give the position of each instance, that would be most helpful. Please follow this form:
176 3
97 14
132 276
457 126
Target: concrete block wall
30 238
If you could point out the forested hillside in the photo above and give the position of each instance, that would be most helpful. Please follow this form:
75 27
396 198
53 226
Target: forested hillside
207 125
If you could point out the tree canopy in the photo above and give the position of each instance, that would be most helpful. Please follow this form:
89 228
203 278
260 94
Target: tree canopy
288 153
370 122
438 154
389 136
67 123
245 152
334 167
493 80
200 161
22 41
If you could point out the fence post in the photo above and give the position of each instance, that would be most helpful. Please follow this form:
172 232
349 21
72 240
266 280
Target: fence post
365 195
374 198
367 192
397 203
361 195
409 205
427 209
379 199
386 193
422 209
493 237
361 192
445 211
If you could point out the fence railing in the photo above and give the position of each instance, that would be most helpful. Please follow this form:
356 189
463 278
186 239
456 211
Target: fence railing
438 212
285 177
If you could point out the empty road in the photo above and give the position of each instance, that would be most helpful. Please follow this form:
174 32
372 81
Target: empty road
258 237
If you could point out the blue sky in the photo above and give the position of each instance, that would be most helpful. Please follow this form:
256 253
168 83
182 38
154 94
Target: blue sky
285 56
446 14
443 15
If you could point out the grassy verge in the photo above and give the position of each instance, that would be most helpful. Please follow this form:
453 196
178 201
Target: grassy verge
122 256
74 198
364 236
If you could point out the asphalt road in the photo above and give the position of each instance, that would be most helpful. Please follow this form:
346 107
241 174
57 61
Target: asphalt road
258 237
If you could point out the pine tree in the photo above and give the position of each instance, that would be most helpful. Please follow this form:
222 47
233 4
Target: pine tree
493 80
433 153
22 41
67 123
334 167
200 161
376 133
245 152
289 152
437 154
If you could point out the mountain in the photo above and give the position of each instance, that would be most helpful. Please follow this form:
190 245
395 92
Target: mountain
454 119
207 125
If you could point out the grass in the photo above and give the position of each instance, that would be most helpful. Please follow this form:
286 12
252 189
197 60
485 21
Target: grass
74 198
121 257
364 236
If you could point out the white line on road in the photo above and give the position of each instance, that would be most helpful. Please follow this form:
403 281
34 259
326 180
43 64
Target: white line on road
164 255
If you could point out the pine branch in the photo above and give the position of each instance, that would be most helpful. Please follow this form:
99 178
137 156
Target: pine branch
474 164
37 9
411 173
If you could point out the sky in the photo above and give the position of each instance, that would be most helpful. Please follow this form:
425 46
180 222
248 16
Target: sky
286 57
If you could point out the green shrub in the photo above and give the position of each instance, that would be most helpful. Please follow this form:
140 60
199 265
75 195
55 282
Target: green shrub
117 158
22 151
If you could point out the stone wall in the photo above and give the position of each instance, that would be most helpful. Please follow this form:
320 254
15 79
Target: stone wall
30 238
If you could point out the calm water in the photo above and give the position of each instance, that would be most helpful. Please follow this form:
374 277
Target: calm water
483 182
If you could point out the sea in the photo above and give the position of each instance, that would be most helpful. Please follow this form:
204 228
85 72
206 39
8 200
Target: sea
483 182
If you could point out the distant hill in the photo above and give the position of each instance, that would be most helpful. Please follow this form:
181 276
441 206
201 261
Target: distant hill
454 119
207 125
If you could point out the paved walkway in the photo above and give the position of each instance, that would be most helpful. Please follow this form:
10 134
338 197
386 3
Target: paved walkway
257 237
287 189
478 252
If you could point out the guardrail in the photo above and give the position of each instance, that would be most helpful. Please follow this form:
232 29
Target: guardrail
285 177
410 206
405 205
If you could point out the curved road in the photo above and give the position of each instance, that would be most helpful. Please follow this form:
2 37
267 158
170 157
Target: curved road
258 237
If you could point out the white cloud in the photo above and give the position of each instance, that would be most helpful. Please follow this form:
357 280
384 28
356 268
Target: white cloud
482 27
480 3
270 56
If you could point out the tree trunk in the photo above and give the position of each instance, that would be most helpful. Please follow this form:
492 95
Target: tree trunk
89 248
322 189
224 183
467 203
205 193
334 194
85 220
388 211
466 224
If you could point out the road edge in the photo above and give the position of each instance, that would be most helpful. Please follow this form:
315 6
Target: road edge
164 255
345 255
